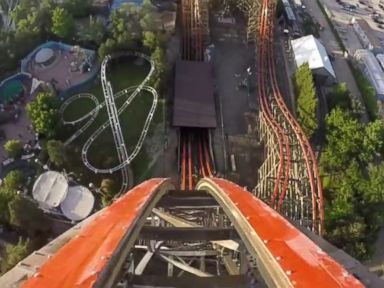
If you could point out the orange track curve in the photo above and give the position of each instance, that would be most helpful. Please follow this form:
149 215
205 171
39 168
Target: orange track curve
79 262
281 137
307 264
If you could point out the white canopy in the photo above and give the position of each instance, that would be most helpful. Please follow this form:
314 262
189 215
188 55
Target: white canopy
78 204
50 189
43 55
309 49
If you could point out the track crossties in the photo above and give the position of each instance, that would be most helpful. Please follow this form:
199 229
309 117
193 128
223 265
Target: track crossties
194 105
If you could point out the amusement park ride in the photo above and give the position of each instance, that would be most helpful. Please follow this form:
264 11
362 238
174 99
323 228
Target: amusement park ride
207 232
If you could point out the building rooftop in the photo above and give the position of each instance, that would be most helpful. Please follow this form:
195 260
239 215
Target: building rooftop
194 104
50 189
309 49
373 69
369 33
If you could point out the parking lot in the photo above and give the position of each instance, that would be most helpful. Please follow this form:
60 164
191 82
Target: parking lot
344 10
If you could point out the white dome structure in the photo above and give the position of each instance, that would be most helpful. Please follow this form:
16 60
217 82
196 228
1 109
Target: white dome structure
44 55
78 203
50 189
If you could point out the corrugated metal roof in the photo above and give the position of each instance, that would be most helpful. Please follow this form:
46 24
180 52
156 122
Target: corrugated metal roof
380 58
369 33
194 104
309 49
372 69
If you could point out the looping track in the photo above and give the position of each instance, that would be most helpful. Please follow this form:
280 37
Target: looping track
296 180
113 121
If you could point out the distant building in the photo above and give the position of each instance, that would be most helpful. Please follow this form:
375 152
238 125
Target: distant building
372 70
309 50
365 34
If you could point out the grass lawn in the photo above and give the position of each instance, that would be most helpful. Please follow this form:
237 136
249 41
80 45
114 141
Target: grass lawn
102 153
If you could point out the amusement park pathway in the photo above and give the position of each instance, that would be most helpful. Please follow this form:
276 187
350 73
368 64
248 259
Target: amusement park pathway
17 129
235 100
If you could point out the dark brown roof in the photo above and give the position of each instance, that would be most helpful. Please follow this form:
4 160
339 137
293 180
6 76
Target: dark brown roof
194 104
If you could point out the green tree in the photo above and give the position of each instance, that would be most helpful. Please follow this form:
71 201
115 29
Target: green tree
25 215
94 33
14 148
339 97
62 23
14 180
44 114
373 192
77 8
344 139
14 254
57 152
158 78
6 196
108 191
148 24
106 48
149 40
306 99
373 141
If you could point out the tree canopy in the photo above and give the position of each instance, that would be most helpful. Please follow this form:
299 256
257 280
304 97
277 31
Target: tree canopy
93 33
353 181
57 152
339 97
14 180
306 99
131 27
44 114
77 8
14 148
62 23
108 191
25 215
13 254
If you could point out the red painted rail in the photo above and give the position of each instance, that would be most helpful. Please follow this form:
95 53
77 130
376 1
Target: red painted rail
305 264
79 262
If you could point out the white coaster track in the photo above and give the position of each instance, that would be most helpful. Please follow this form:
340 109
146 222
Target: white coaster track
113 114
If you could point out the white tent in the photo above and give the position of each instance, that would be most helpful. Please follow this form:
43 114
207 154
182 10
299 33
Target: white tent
309 49
78 203
50 189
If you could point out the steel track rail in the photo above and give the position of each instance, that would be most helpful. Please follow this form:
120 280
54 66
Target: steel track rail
285 257
281 138
307 152
207 161
201 161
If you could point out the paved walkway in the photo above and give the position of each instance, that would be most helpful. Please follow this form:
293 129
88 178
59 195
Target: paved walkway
340 64
17 129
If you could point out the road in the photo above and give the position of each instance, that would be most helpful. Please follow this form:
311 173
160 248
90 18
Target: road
340 64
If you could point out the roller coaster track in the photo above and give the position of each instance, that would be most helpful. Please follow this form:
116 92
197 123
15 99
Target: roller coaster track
220 235
297 184
190 141
113 114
